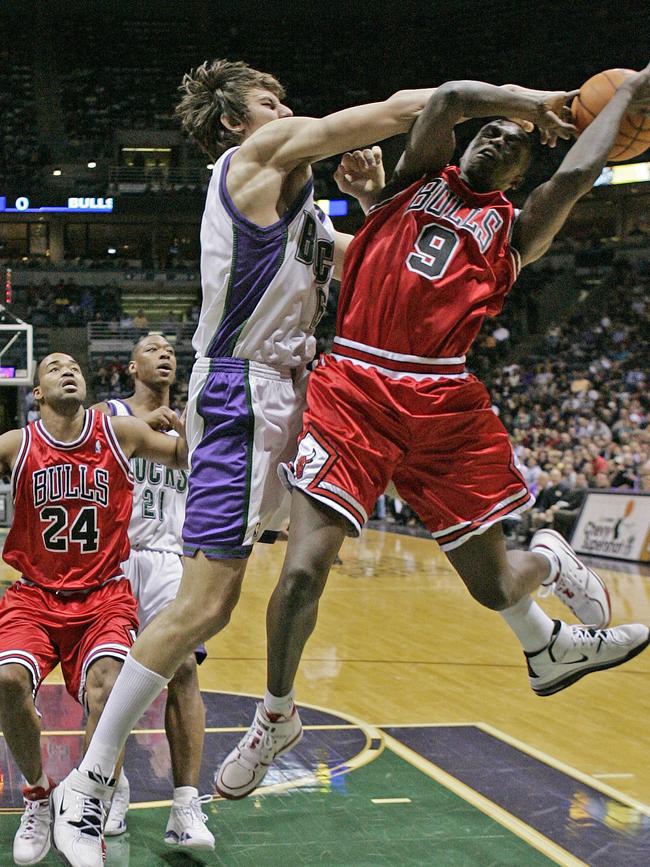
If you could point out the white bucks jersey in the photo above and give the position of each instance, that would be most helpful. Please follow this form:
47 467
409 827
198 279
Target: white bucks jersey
159 495
264 289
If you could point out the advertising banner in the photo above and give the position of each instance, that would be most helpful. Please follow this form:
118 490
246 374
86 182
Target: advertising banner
614 525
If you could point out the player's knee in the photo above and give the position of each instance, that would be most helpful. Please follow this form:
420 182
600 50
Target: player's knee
216 615
15 683
101 679
185 677
494 595
301 587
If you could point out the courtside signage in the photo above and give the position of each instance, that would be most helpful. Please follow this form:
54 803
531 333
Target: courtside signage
614 525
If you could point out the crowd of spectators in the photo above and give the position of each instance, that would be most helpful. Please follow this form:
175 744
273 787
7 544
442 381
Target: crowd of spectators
65 304
19 147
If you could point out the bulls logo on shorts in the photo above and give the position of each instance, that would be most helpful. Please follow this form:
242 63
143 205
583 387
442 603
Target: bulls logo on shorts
310 460
302 462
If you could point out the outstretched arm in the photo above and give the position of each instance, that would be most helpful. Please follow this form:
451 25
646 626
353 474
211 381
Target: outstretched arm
272 166
288 142
431 143
163 418
137 439
548 207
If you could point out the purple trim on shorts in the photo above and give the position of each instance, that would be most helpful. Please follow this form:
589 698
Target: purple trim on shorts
216 513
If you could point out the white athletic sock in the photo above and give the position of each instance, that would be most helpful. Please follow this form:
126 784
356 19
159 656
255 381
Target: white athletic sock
41 783
530 624
134 690
184 794
282 704
553 565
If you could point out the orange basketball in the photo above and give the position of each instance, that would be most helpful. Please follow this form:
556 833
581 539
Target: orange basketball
634 134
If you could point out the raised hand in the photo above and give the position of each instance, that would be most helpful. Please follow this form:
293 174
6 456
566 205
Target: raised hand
361 173
551 114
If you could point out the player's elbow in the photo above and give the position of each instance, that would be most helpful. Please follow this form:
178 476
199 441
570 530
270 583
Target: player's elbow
408 104
576 181
453 95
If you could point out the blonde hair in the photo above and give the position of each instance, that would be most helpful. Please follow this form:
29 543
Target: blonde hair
217 88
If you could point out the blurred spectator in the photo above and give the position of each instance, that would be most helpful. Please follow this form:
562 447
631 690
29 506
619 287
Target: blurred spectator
140 320
644 476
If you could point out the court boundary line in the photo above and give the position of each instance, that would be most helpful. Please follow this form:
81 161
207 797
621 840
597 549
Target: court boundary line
570 771
364 757
540 755
493 811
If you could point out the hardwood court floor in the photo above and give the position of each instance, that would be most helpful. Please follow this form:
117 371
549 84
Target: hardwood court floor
400 641
423 744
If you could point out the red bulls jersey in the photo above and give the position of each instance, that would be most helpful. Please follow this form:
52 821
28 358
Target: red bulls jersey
425 269
72 506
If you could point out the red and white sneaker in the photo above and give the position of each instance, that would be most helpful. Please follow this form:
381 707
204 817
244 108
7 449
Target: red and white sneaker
580 588
246 766
186 827
32 841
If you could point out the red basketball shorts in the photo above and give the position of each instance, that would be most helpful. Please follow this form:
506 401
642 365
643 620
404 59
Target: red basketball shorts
38 629
437 439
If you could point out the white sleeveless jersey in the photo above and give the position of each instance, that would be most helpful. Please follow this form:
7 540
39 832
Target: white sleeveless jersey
159 495
264 289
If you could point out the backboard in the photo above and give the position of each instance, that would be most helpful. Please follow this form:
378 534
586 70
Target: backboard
17 366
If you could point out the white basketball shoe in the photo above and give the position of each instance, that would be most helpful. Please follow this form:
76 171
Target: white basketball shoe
246 766
79 806
32 840
580 588
116 822
575 651
186 826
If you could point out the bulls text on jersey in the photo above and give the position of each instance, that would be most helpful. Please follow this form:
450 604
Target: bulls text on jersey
436 198
70 482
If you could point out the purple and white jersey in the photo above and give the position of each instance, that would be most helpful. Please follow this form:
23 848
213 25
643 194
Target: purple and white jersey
264 289
159 495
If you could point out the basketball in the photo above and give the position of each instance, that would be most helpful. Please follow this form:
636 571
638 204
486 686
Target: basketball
634 134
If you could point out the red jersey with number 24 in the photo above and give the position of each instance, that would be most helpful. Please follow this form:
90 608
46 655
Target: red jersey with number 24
72 506
427 267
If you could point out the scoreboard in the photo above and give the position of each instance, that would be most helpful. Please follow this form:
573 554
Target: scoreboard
73 205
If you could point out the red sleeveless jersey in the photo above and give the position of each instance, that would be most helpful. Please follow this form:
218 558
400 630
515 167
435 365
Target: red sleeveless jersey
72 506
426 268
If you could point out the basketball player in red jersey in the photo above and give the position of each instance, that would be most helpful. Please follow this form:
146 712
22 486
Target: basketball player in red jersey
72 605
394 401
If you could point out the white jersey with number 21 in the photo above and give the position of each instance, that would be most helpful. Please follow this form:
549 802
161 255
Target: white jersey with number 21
159 496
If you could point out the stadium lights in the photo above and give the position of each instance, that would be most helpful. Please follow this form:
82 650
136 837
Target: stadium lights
57 173
111 251
92 165
210 166
627 173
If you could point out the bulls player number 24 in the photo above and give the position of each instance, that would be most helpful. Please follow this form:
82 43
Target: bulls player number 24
60 534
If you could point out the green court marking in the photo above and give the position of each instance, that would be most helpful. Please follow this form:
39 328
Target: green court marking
334 823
